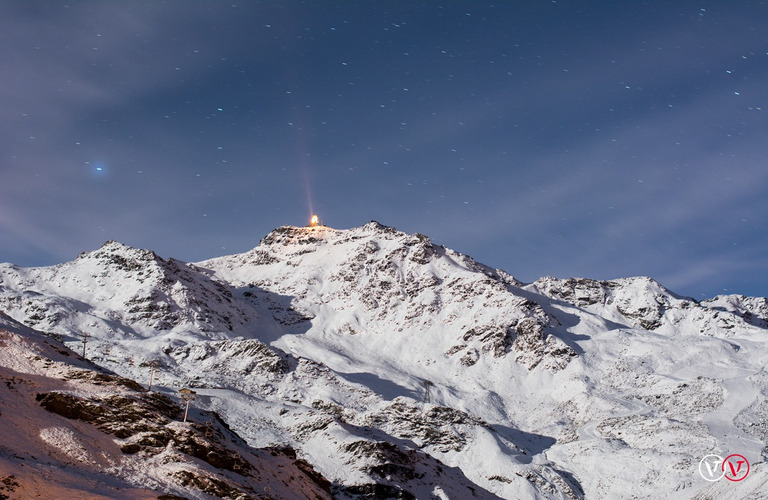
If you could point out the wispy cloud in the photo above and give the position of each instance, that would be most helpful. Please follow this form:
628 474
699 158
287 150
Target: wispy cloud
598 149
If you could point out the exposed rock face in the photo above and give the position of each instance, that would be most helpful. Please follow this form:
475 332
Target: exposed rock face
533 347
140 442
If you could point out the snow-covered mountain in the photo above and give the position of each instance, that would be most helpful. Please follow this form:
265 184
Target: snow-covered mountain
395 367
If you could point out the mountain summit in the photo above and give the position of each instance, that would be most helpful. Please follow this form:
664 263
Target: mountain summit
376 287
400 368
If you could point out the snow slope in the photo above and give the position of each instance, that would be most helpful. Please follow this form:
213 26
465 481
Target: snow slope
72 429
396 366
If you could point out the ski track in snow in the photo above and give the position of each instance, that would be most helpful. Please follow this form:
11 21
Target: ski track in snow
740 393
632 408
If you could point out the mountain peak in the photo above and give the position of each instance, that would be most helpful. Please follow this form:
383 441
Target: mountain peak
379 227
293 235
122 255
305 235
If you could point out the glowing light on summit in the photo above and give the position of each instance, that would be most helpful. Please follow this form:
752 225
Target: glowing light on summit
314 221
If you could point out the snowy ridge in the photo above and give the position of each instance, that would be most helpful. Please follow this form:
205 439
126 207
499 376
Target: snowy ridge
117 287
397 366
644 303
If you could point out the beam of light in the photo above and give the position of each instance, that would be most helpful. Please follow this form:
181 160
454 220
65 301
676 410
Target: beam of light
298 124
308 190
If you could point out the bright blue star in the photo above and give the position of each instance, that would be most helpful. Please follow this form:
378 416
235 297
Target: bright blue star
97 169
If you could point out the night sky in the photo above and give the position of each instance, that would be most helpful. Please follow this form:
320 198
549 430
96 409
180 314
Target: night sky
595 139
